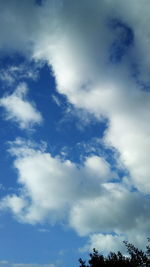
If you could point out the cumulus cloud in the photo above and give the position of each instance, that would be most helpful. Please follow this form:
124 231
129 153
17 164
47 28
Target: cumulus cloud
15 203
19 109
93 83
112 210
114 216
99 53
78 51
51 186
77 44
128 128
52 190
105 243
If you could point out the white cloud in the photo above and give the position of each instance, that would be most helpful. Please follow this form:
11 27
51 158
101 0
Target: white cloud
52 189
116 209
19 109
51 186
76 43
98 167
128 128
75 40
105 242
105 89
15 203
12 74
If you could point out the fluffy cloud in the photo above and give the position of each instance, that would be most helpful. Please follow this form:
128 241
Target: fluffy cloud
114 216
78 43
112 242
99 53
105 243
102 88
128 128
19 109
52 189
15 203
51 186
112 210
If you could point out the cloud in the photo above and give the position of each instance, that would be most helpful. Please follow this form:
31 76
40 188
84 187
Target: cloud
94 83
116 215
98 167
64 39
78 44
99 53
50 185
99 213
84 197
105 242
128 127
14 73
15 203
19 109
19 29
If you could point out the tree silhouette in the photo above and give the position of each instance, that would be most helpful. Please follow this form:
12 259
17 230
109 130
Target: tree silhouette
136 258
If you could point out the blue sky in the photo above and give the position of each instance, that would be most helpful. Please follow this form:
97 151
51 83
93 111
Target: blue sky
74 138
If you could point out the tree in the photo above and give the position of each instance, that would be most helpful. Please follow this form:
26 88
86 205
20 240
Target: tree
136 258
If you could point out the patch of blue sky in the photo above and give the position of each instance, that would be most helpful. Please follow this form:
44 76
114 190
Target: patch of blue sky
136 74
9 59
15 59
61 128
49 243
8 173
62 132
39 2
66 131
145 86
62 123
9 130
61 119
8 183
123 40
16 69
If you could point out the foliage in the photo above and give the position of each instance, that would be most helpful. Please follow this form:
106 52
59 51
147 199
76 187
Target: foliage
136 258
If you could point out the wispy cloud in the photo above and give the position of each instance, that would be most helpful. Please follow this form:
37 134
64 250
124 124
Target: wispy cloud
19 109
14 73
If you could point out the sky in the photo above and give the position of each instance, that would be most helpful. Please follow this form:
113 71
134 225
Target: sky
74 129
